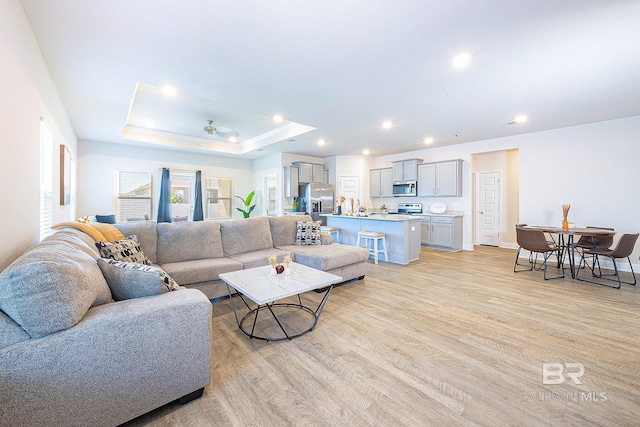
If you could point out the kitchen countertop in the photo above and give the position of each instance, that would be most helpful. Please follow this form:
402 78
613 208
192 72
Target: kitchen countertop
445 213
395 218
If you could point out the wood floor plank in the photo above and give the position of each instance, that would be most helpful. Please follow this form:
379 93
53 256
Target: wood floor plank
452 339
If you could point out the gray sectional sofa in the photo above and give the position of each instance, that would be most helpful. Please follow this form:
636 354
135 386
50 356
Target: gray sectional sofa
70 355
196 253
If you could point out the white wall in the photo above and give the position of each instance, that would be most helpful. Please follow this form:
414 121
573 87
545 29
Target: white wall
98 161
27 94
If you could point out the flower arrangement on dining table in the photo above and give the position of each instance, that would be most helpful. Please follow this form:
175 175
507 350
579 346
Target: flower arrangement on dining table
565 213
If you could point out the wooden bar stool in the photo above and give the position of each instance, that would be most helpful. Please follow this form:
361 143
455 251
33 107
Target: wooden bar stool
334 231
379 243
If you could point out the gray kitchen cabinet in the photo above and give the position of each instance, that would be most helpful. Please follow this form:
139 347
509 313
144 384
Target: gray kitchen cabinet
305 172
425 237
309 172
290 181
442 232
440 179
406 170
380 182
386 182
427 180
317 173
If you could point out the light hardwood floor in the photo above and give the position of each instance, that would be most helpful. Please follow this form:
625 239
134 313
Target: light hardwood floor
452 339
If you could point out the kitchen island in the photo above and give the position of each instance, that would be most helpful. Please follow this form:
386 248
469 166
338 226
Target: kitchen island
402 233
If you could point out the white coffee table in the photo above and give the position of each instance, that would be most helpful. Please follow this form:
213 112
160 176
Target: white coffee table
264 290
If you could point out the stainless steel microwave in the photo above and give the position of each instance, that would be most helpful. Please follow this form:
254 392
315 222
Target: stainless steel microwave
405 189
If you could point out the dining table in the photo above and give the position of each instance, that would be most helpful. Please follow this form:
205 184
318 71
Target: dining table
568 245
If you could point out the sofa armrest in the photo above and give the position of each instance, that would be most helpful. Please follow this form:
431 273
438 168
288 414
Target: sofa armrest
120 361
326 238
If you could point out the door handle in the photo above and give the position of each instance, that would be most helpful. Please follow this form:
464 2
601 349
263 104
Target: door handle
481 213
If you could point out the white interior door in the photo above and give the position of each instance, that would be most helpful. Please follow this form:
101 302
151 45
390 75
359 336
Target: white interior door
488 214
349 187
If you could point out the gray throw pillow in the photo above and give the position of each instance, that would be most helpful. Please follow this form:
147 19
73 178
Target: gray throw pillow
127 250
129 280
308 233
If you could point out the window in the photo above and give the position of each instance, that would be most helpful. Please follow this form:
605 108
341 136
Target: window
46 180
218 198
182 195
133 199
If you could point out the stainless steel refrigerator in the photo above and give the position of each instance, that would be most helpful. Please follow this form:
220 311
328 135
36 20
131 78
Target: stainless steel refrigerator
316 199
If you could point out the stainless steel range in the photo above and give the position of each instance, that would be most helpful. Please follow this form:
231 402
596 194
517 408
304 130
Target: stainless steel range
409 208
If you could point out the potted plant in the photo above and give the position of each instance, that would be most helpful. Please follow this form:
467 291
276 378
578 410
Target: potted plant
295 205
248 207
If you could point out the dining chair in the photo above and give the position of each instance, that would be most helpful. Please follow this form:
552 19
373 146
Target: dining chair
594 242
623 249
535 241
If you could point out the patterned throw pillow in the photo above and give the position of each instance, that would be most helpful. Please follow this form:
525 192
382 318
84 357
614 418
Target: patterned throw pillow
127 250
308 233
129 280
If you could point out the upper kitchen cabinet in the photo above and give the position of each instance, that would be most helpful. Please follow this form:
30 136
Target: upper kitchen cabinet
381 182
406 170
290 181
442 179
309 172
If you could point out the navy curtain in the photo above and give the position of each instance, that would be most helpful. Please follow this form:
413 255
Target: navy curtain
198 214
164 207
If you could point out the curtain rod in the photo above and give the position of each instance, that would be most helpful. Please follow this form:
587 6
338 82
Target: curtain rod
180 170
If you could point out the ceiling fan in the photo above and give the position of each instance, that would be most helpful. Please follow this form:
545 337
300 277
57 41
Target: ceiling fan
224 132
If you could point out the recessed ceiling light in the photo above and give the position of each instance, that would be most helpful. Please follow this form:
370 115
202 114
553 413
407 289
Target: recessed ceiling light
518 119
233 139
169 90
387 124
149 124
461 60
321 141
277 118
365 152
428 140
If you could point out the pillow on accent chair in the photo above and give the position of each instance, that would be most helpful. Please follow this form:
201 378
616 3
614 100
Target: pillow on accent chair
129 280
106 219
127 250
308 233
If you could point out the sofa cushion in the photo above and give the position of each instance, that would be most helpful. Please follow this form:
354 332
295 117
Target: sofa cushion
80 240
201 270
328 257
261 257
51 286
308 233
283 228
147 233
10 331
129 280
246 235
186 241
106 219
127 250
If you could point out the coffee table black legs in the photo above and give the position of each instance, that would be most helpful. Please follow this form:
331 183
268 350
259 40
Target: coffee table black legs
252 316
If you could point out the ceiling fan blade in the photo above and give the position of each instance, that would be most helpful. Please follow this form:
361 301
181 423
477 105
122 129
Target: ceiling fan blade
226 132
